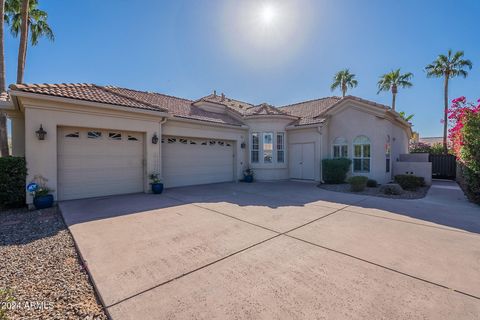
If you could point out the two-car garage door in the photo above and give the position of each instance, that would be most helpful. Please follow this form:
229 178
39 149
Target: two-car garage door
99 162
189 161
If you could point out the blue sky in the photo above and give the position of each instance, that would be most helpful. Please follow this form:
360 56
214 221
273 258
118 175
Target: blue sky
189 48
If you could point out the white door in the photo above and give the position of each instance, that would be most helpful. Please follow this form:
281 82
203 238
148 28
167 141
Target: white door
187 161
302 161
98 162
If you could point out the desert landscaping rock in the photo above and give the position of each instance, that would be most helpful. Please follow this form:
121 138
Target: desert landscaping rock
42 270
376 192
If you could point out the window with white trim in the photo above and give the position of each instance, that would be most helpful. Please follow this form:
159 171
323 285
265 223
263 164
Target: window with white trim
115 136
340 148
387 154
94 134
255 148
268 147
361 154
280 147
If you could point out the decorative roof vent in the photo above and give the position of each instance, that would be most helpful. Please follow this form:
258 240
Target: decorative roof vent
214 93
223 97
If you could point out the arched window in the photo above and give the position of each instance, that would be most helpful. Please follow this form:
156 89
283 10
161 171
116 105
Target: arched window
361 154
340 148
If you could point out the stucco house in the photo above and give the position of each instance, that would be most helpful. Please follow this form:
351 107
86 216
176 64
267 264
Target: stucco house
104 140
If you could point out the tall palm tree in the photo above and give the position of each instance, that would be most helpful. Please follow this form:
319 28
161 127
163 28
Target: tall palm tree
343 79
25 18
392 81
448 66
3 117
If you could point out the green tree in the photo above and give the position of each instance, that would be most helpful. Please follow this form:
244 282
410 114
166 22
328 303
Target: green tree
343 79
34 27
392 81
448 66
405 117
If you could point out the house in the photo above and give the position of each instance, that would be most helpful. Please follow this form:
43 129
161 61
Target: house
104 140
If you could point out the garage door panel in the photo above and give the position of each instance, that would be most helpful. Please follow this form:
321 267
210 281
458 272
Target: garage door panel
194 163
98 167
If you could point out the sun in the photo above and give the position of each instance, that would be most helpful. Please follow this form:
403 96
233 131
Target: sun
268 13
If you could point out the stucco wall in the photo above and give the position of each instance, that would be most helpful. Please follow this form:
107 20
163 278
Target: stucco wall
41 156
415 157
268 171
419 169
354 121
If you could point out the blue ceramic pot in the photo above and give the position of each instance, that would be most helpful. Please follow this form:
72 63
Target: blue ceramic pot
43 202
157 188
248 178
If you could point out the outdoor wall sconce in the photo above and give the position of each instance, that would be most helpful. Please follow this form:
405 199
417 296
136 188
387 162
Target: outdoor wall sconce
242 145
155 138
41 133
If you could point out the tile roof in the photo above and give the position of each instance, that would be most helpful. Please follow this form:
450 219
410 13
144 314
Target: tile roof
240 107
85 92
178 107
310 112
265 109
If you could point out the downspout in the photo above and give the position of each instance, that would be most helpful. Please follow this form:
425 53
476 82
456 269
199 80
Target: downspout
319 131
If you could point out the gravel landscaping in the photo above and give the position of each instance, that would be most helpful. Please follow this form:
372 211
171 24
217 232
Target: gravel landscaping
345 188
41 270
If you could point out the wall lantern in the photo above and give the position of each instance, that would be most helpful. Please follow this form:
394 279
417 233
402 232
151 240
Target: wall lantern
155 138
41 133
242 145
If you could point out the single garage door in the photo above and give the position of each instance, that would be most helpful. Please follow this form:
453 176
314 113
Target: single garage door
189 161
97 162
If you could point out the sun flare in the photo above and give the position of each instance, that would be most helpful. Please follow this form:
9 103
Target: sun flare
268 13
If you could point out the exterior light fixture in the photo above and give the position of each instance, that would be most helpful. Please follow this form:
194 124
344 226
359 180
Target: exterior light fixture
155 138
41 133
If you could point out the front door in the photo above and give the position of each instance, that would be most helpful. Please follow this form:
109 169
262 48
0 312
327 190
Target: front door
302 161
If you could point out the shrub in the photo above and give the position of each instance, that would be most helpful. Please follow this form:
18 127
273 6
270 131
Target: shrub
358 183
335 170
409 182
391 188
372 183
13 172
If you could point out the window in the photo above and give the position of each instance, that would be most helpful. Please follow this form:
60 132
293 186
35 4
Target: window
267 147
281 147
254 148
75 134
94 134
115 136
340 148
183 141
387 154
361 154
221 143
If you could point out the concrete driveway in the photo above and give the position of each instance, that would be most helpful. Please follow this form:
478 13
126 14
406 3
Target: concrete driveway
283 250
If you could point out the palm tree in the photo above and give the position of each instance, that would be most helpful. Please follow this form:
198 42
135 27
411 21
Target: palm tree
405 117
3 117
344 79
25 18
448 66
392 81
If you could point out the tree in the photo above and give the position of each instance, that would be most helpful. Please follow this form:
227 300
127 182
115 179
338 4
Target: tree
405 117
448 66
343 79
3 117
392 81
25 18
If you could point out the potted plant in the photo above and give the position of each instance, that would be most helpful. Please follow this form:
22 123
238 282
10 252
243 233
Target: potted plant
248 175
40 192
157 185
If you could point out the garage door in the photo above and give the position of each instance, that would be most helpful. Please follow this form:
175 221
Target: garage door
188 161
97 162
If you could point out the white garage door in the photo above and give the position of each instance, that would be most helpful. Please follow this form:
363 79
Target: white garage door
188 161
97 162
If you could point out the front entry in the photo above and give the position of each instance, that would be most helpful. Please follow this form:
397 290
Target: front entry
302 161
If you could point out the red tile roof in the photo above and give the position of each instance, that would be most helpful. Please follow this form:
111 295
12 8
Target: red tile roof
310 112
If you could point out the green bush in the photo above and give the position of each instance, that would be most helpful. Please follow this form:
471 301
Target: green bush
372 183
391 189
358 183
335 170
409 182
13 172
469 181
